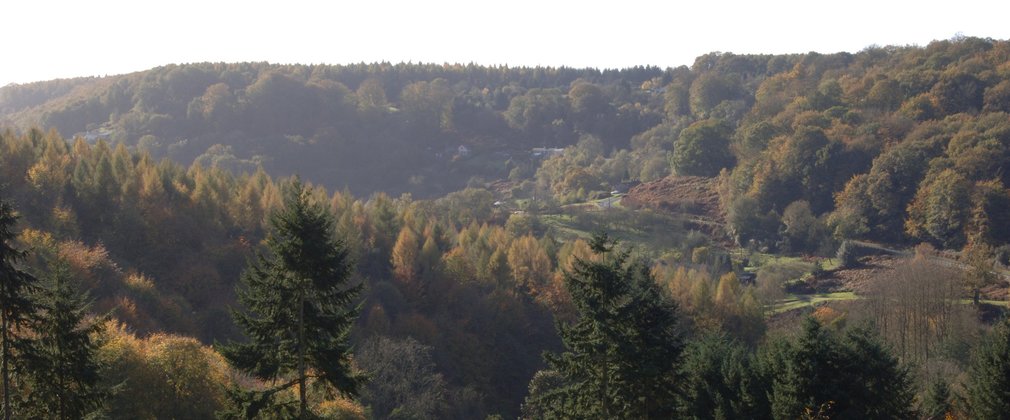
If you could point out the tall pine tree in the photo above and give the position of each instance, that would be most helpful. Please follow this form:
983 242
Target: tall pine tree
299 308
17 305
622 353
63 365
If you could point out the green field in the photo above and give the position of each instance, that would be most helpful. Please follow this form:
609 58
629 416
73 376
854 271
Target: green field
1002 303
652 232
799 301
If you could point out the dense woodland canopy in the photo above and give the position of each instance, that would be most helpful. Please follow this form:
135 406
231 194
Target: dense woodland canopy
873 141
153 191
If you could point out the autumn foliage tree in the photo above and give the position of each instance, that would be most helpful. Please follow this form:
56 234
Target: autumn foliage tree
405 256
531 267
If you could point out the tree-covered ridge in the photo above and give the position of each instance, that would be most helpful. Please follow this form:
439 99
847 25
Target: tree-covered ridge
399 120
863 139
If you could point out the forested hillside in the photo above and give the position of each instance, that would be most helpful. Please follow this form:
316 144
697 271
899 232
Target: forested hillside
872 139
163 247
477 207
377 127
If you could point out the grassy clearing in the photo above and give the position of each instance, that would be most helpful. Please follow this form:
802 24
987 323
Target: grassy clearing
799 301
1002 303
831 263
793 301
602 204
609 202
649 232
758 260
565 226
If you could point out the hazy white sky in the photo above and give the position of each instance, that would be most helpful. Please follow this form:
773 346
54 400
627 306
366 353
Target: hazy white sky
47 39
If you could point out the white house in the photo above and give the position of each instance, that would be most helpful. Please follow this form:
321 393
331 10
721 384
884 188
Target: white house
545 152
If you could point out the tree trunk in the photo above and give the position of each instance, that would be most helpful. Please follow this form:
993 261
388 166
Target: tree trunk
61 384
606 385
301 357
6 373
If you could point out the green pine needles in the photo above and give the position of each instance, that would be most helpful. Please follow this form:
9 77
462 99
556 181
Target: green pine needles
17 305
299 309
988 387
62 362
622 354
50 366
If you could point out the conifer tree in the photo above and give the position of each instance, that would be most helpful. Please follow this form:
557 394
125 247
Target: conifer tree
720 381
404 257
936 404
299 308
848 377
988 386
63 364
16 300
622 353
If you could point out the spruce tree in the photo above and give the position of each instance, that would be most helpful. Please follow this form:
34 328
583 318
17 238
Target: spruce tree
936 404
299 308
720 381
622 353
62 365
16 300
988 388
848 377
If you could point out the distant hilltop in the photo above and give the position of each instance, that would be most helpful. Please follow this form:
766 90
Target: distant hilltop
868 143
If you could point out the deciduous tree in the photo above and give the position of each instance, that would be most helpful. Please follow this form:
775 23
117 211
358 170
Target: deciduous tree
941 209
703 149
403 380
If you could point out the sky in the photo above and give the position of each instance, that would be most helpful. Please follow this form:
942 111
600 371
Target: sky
49 39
